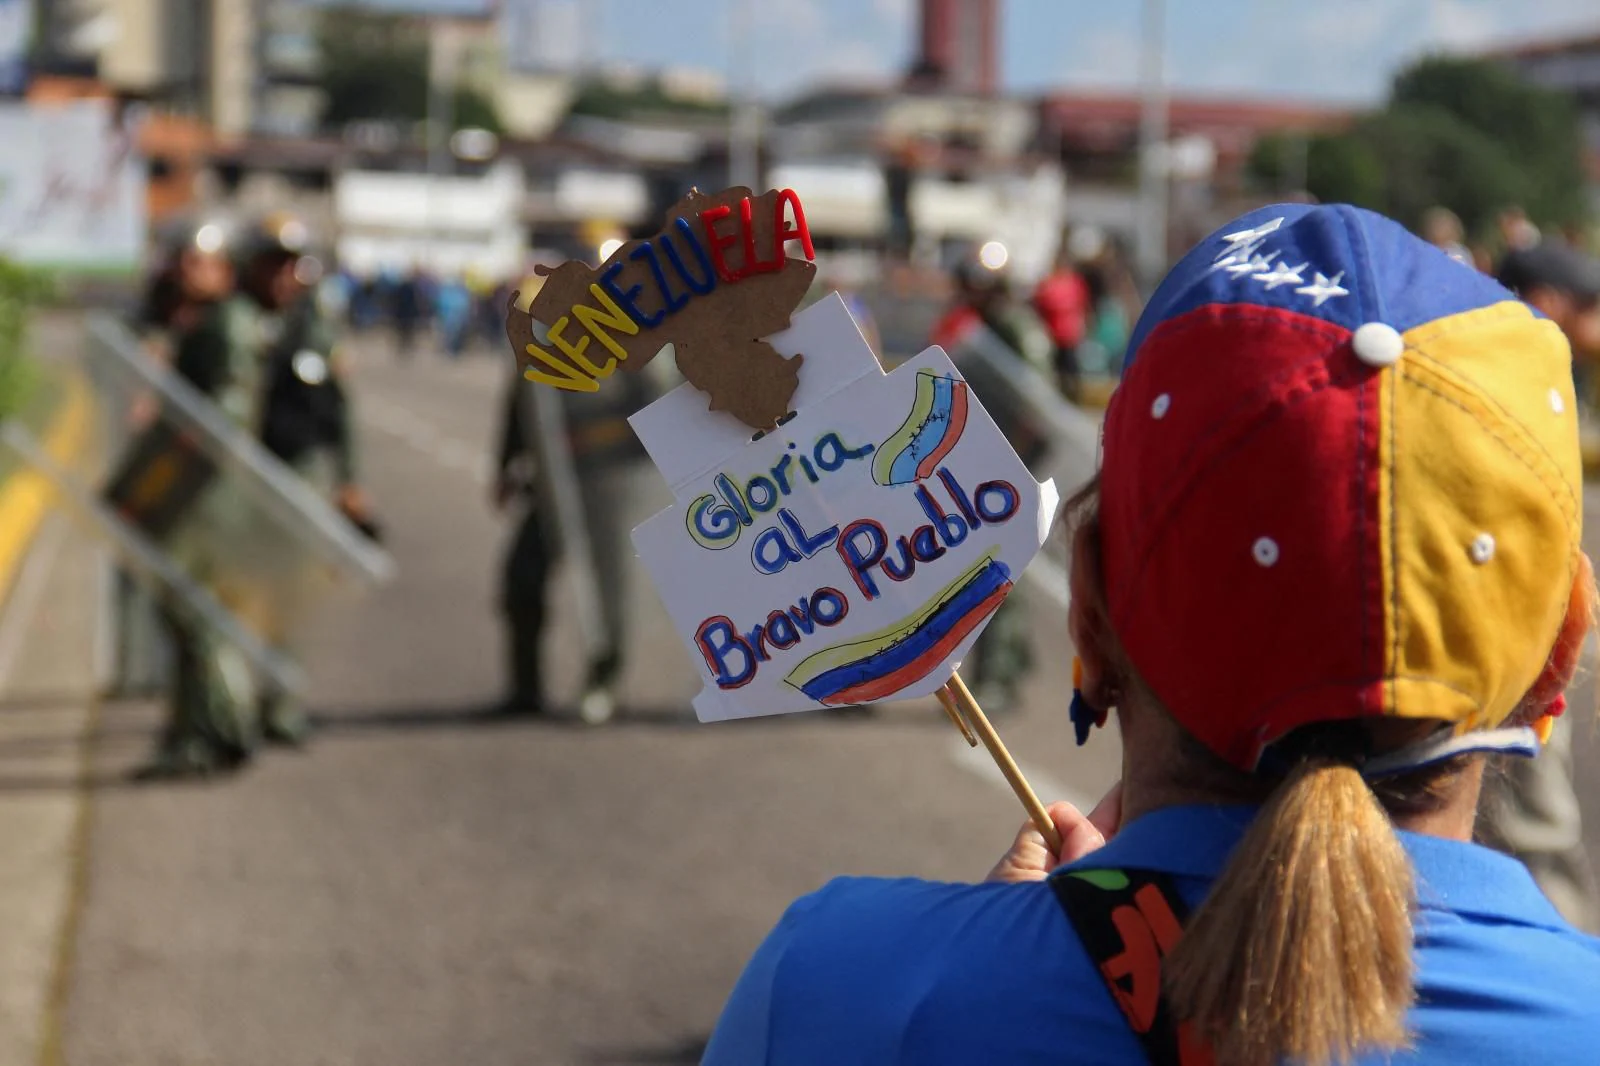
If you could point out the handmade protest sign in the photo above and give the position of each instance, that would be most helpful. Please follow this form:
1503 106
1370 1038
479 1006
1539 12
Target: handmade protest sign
852 554
712 283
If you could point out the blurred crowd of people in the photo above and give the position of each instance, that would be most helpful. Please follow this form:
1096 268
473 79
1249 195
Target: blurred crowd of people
462 312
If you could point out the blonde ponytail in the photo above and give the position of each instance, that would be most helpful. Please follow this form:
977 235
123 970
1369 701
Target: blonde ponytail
1302 950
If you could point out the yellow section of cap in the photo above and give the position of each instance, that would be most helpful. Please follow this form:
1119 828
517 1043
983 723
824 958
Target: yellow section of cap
1481 511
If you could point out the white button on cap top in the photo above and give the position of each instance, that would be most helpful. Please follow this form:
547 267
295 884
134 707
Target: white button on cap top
1265 550
1160 407
1378 344
1482 549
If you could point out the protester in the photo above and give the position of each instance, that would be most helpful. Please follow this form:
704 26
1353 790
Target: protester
1003 657
1537 817
1062 302
1105 339
1517 232
408 308
1442 228
604 455
1331 566
207 728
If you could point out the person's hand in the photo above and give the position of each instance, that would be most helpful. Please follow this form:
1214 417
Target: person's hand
500 492
1029 857
353 503
144 409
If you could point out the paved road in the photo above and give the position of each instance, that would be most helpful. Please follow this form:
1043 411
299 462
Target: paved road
425 887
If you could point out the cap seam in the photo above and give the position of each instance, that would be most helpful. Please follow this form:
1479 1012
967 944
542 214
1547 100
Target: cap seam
1187 475
1367 269
1361 509
1443 370
1391 700
1574 521
1430 365
1188 478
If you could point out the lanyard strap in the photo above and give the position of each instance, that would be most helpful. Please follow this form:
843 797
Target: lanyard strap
1128 920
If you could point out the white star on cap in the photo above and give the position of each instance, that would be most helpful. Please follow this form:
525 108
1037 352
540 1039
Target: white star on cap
1323 288
1248 264
1244 235
1282 274
1239 257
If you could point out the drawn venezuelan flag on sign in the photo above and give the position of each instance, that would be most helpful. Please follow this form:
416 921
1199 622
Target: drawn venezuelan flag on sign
880 664
915 450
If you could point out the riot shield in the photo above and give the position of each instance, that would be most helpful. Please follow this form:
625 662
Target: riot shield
190 444
178 477
1028 408
1056 439
150 565
543 411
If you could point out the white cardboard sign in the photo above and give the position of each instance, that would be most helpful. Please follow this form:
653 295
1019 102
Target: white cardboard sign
854 553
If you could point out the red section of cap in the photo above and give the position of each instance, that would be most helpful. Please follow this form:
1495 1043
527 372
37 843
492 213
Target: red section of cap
1240 527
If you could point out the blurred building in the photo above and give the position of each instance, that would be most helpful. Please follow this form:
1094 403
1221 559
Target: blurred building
240 66
1096 139
958 46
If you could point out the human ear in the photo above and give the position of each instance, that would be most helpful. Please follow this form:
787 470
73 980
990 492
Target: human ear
1087 621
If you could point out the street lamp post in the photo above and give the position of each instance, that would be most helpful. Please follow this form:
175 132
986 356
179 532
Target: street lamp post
1151 251
440 117
743 134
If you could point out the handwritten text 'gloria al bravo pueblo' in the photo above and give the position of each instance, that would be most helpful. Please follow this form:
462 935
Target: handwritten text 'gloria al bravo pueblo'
734 654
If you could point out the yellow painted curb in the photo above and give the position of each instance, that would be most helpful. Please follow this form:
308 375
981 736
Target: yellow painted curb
26 496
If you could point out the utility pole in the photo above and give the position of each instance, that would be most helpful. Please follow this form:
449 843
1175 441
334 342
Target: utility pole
440 117
743 119
1151 251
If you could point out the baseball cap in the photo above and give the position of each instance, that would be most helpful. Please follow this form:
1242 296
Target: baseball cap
1340 480
1551 265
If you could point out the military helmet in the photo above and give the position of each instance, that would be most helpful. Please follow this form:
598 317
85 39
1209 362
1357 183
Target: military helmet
212 235
278 233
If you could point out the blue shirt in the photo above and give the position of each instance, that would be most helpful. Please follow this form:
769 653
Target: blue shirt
904 971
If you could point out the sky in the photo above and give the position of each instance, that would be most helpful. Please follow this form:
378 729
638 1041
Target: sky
1335 50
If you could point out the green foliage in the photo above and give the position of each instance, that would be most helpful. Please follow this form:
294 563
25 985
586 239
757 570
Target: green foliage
1431 156
602 100
1534 129
375 68
473 110
22 289
1467 134
1347 168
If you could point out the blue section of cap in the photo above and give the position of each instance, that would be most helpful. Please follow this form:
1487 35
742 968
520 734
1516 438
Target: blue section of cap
1343 264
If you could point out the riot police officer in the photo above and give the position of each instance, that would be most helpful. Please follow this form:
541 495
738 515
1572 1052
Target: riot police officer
206 729
304 407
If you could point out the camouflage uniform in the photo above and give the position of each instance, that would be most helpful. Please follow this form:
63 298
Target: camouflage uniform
605 456
305 420
213 683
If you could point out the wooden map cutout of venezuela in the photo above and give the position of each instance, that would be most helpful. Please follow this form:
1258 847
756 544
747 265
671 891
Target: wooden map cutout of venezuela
712 283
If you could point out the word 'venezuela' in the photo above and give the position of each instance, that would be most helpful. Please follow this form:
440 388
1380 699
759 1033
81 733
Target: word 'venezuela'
647 303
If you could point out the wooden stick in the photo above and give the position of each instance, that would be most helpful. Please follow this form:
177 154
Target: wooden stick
1008 766
948 702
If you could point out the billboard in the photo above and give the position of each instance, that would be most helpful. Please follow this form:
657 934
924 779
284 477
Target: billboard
72 187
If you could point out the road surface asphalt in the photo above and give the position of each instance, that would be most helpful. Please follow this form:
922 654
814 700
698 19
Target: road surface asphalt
427 886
